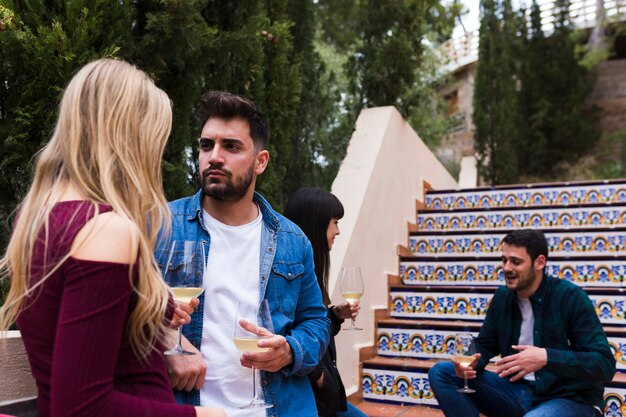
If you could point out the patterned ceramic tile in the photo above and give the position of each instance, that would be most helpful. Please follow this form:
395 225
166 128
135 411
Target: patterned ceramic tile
473 306
467 306
413 387
588 194
615 400
561 218
431 343
416 343
397 386
600 243
618 347
604 273
610 308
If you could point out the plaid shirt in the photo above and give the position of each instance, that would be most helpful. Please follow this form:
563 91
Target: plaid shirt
567 326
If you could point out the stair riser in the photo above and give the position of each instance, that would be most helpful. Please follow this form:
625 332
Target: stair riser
597 217
413 387
590 194
440 344
421 344
473 306
597 273
398 386
609 243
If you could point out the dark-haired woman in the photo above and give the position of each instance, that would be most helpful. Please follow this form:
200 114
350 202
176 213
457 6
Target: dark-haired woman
317 212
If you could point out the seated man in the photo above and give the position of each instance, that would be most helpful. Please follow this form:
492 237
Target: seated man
555 355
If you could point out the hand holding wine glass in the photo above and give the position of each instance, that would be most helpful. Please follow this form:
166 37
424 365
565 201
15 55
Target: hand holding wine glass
184 273
465 355
252 325
351 287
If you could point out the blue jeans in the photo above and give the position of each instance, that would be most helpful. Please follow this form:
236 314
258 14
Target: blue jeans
352 411
496 397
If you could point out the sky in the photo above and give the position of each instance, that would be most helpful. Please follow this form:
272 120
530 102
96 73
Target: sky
470 20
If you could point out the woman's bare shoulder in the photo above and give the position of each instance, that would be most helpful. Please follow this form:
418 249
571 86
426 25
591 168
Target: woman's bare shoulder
108 237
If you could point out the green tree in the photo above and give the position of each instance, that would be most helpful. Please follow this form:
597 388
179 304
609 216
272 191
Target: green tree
42 44
496 112
172 41
554 87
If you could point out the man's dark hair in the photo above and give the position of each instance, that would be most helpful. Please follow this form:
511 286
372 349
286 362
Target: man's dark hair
229 106
533 240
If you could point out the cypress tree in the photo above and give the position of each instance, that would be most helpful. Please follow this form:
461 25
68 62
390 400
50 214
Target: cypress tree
172 40
496 111
554 86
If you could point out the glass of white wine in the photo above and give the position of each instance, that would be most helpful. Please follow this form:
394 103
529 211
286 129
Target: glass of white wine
351 287
247 341
465 354
184 273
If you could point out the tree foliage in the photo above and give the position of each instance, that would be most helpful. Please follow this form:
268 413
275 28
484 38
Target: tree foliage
541 111
261 49
496 111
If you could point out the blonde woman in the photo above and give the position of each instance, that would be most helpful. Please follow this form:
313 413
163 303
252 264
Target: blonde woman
85 290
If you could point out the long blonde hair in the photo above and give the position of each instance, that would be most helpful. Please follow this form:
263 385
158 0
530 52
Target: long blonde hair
108 143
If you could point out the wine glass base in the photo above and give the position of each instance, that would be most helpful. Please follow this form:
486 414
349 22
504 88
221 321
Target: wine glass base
353 328
256 404
466 390
177 350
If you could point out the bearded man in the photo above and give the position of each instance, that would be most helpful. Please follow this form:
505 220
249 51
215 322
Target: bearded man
252 254
555 357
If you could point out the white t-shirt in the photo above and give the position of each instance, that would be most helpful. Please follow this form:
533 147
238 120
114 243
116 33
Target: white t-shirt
231 282
526 330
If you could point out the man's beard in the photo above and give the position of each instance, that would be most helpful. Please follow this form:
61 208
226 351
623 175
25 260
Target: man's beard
225 189
524 283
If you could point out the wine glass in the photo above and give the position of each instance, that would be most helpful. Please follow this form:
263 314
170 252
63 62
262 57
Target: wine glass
247 341
351 287
465 354
184 273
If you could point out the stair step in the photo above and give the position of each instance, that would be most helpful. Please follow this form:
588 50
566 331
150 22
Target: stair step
536 195
434 339
607 272
457 304
405 381
561 243
592 217
376 409
458 325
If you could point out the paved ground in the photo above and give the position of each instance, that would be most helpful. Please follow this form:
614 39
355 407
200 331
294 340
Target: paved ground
390 410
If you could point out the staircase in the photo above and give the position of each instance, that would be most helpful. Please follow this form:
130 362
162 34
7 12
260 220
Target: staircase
451 268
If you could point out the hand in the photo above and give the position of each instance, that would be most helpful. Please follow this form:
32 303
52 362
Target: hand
347 310
209 412
186 372
276 358
182 313
466 371
320 381
529 359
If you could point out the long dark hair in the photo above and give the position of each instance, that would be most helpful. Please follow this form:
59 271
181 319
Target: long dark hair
312 209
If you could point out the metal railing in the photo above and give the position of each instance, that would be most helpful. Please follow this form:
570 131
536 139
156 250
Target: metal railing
462 50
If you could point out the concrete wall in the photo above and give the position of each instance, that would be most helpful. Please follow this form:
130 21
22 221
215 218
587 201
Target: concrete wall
16 381
378 183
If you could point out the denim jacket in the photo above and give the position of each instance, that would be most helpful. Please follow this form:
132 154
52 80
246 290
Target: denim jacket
287 281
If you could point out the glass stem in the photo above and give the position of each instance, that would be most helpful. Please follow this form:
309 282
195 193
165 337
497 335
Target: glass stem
180 337
465 377
254 394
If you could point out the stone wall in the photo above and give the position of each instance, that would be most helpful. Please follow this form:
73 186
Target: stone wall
610 95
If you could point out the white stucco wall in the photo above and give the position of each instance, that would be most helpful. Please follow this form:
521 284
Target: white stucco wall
378 183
